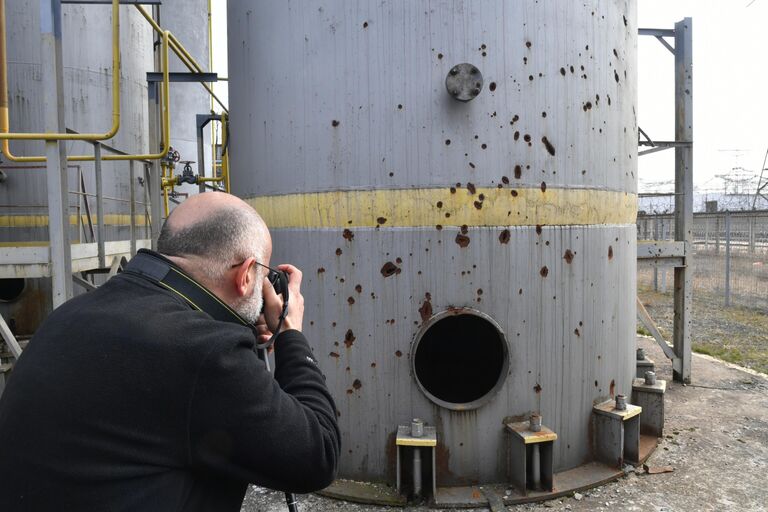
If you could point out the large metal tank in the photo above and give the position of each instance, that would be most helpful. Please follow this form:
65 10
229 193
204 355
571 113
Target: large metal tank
464 262
87 59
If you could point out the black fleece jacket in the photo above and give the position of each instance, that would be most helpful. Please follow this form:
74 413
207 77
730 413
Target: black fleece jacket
127 399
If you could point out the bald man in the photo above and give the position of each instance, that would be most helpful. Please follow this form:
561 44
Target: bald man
147 393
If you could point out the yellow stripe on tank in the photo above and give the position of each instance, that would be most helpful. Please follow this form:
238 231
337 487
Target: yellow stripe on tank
429 207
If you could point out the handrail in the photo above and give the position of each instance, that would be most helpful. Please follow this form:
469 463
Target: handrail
5 135
166 111
182 53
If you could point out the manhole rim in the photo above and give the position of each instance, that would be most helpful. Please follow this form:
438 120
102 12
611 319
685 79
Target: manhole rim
503 374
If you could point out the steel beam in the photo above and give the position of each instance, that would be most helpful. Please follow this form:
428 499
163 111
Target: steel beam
660 249
684 195
656 32
55 151
132 197
183 77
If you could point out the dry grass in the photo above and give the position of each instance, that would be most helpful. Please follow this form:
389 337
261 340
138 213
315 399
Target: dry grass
735 334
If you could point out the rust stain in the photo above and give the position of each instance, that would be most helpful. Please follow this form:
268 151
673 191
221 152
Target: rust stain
357 384
543 186
514 193
537 388
335 123
612 388
338 251
398 353
610 252
398 260
334 354
505 180
350 300
358 288
516 136
518 172
504 236
462 240
471 188
538 229
348 235
544 271
577 332
381 220
373 365
464 229
426 308
349 338
478 205
548 145
321 270
568 256
453 190
390 269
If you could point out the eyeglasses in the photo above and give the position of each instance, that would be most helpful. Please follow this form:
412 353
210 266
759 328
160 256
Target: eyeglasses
273 275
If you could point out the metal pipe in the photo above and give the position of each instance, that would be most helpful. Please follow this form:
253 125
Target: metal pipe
99 206
132 195
182 53
416 471
166 121
536 466
5 135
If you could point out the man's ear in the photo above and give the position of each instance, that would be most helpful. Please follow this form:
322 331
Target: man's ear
244 278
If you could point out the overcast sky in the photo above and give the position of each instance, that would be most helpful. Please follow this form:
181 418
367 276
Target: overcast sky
730 101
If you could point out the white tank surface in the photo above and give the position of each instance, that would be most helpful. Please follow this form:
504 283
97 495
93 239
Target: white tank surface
458 182
87 59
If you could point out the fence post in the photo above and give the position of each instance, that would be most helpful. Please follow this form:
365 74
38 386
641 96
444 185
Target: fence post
665 232
656 221
751 234
727 258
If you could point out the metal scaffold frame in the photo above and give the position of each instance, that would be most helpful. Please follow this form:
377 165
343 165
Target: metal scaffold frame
676 253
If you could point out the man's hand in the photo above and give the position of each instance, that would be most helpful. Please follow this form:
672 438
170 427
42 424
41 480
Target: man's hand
273 305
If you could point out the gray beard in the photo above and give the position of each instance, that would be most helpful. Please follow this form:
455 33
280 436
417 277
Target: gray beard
250 307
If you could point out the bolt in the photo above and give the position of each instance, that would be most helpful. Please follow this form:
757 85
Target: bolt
650 378
417 427
621 403
455 71
640 354
535 423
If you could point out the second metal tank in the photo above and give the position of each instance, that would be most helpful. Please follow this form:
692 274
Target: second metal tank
465 262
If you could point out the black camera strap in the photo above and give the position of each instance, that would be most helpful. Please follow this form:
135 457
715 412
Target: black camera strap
163 272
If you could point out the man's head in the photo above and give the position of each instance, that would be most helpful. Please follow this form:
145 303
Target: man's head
217 238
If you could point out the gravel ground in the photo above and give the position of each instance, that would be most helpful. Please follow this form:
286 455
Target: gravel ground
716 441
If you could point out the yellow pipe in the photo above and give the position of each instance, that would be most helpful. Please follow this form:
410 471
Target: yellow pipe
225 150
166 111
4 121
182 53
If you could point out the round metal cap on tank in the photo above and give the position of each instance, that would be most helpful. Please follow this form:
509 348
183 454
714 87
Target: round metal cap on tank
467 263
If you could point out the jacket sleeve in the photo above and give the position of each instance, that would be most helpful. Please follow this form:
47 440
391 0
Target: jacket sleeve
277 431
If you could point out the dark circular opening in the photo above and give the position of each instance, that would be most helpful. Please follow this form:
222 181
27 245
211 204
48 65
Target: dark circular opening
11 289
460 360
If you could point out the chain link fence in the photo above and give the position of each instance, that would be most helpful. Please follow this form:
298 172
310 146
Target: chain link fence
730 259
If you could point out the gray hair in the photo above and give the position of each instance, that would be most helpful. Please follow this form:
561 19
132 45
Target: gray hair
226 237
